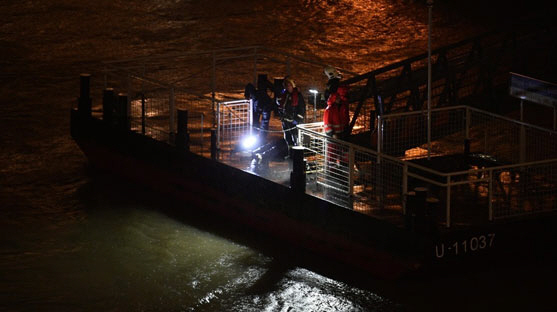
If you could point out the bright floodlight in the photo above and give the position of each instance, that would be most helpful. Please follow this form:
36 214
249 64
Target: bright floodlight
249 141
313 91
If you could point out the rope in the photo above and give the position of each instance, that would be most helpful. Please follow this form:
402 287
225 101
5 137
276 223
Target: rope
274 131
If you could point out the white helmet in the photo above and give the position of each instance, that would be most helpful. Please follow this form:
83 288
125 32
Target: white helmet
331 72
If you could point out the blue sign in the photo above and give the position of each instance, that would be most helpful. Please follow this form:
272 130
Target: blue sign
533 90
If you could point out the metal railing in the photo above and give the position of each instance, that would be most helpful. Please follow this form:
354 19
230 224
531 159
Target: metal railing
234 120
367 180
353 176
404 134
349 175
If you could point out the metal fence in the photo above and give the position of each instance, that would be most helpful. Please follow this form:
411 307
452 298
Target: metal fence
234 120
509 141
515 147
157 86
523 189
350 175
405 134
519 178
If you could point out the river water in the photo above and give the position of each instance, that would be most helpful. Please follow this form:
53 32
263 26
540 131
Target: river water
75 240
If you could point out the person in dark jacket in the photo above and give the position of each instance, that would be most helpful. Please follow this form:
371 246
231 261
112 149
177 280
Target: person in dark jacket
292 110
262 104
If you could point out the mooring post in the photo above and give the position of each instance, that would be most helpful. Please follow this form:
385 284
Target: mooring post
183 137
123 113
213 144
84 101
421 195
432 208
298 174
468 122
108 106
420 208
409 215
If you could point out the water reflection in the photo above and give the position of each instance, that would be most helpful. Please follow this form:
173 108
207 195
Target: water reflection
145 260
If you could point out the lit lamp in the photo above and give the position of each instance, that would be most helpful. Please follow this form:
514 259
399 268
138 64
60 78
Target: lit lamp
314 92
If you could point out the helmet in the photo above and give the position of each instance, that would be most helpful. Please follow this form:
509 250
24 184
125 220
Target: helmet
289 80
331 72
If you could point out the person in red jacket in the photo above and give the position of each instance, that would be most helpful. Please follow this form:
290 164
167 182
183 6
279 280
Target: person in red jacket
336 118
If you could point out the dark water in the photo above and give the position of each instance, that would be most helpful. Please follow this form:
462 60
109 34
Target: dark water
74 240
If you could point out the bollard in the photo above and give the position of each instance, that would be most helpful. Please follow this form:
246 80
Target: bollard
84 101
123 114
298 174
420 221
421 195
410 210
182 137
432 208
108 106
214 144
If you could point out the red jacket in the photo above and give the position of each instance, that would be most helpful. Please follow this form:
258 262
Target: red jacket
336 117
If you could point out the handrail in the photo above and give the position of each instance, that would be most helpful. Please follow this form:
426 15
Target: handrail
502 29
419 167
423 111
414 59
513 120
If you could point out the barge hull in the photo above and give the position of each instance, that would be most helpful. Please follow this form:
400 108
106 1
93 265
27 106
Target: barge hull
296 219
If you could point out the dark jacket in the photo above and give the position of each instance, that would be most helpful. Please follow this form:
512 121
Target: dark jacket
292 106
261 100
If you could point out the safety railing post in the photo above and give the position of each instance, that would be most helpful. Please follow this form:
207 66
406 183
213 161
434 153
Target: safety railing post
250 117
468 122
522 156
490 195
182 138
467 131
448 204
379 135
300 138
218 126
214 143
213 82
351 177
404 187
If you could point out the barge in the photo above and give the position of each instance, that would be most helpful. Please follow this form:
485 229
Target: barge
487 189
